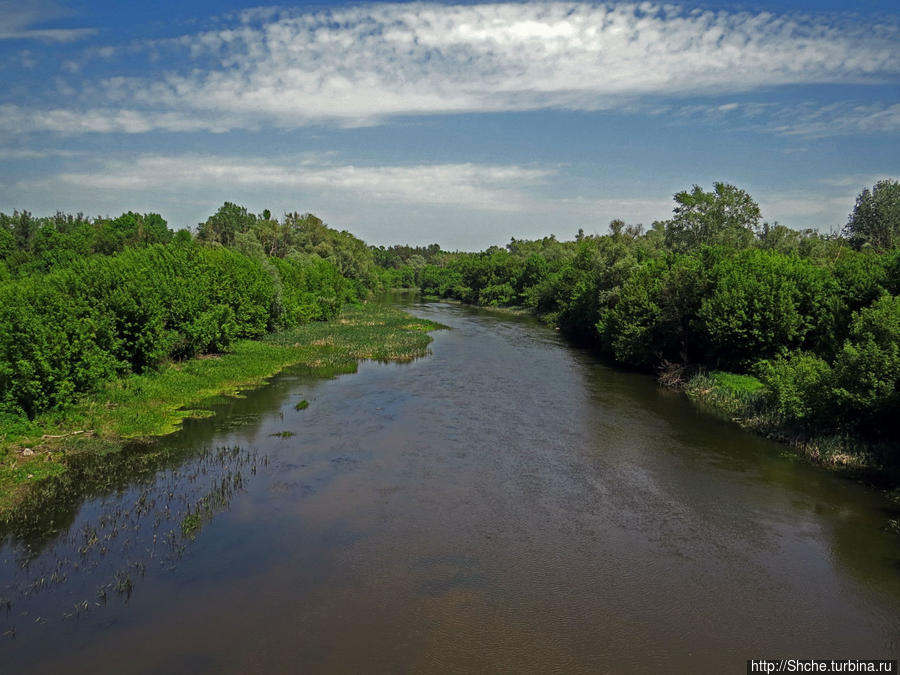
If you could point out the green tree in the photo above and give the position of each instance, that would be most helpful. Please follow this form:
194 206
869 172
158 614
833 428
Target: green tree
797 386
727 215
875 220
225 224
130 229
867 370
7 242
652 317
764 303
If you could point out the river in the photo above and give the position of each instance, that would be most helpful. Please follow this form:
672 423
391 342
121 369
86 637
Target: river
506 504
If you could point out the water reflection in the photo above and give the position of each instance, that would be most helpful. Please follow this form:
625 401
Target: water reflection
508 504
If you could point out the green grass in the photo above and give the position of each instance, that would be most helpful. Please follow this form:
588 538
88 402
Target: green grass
156 403
737 383
728 392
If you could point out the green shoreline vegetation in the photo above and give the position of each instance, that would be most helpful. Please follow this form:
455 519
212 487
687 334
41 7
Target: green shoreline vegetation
795 334
746 401
114 328
155 403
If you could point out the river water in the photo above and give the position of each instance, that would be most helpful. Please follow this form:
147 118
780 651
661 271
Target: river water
505 504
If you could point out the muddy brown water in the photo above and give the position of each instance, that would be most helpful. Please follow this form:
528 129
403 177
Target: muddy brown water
505 504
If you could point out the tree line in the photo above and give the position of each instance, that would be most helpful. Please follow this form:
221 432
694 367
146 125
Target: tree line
816 318
86 300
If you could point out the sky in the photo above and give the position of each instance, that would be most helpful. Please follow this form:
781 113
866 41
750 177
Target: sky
462 124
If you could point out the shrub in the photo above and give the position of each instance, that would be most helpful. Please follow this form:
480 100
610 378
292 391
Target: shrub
797 385
763 304
866 384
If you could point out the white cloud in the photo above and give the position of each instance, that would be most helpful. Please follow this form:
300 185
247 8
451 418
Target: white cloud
599 211
360 65
473 186
823 210
463 205
838 119
856 182
16 119
17 18
807 119
459 205
48 34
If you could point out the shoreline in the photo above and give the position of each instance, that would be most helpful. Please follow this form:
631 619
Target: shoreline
846 456
139 408
737 398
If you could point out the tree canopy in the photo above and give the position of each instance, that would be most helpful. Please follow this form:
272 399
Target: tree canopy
875 220
727 215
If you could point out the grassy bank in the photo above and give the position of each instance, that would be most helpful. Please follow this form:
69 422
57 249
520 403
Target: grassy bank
153 404
742 398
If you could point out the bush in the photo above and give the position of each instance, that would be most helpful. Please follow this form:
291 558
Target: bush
312 289
655 312
52 345
497 295
735 394
797 386
66 332
867 370
763 304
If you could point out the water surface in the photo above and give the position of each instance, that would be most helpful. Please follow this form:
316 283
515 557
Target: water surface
506 504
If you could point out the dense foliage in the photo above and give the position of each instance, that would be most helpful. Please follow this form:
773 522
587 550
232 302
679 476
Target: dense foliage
83 301
29 244
815 317
233 226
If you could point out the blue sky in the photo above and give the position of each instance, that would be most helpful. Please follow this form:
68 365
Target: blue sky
463 124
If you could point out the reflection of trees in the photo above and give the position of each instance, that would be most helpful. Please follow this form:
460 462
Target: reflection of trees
52 508
852 519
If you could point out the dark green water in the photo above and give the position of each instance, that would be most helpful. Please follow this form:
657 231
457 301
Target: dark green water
506 504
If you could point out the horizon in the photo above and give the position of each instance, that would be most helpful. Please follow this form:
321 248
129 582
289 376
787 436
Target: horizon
459 124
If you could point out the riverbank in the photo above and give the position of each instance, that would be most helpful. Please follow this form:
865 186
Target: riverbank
153 404
742 399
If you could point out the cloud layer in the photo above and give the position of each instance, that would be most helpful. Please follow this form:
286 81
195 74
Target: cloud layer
475 186
477 204
694 96
360 65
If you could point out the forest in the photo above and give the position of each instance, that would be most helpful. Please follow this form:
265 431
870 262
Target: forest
801 328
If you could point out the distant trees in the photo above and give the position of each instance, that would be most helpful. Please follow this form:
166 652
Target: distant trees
875 220
295 235
225 224
403 256
815 317
29 244
131 229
